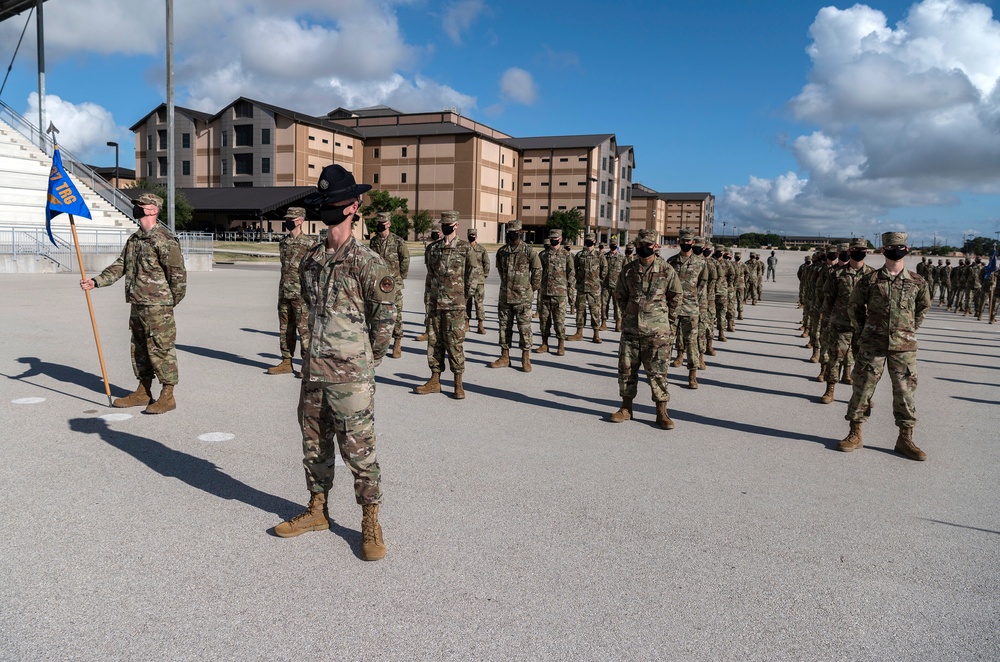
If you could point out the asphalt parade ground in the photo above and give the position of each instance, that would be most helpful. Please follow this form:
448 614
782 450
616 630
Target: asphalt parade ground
520 523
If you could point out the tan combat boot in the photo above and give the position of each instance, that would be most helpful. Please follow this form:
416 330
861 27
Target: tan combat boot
722 335
739 316
709 349
467 325
164 403
815 355
821 377
422 337
827 397
693 378
578 335
503 361
282 368
481 330
852 441
544 347
701 363
372 543
731 325
142 395
845 377
561 349
315 517
597 337
459 389
624 412
397 349
678 362
906 447
432 385
662 418
525 360
604 325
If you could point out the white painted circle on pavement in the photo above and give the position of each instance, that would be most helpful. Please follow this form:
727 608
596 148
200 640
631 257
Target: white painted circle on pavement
115 417
28 401
216 436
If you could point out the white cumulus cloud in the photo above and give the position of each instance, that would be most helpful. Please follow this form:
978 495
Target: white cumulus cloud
459 17
517 85
84 129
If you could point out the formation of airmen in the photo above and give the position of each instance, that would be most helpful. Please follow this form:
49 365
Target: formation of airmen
962 289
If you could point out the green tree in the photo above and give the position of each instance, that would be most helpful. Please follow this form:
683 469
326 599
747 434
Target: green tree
383 201
183 211
421 223
978 246
570 221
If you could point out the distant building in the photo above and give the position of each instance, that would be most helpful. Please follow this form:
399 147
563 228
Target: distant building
669 212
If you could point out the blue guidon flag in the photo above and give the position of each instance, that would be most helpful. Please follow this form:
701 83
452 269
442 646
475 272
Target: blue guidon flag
991 267
63 197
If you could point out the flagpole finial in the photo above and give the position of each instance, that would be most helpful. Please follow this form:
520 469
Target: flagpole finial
53 130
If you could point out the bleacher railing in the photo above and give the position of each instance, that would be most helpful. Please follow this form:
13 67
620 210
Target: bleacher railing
17 240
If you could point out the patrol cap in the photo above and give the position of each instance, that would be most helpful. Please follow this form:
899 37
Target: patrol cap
295 212
383 216
843 247
685 234
436 226
894 239
629 247
149 199
646 236
555 233
858 242
589 236
449 217
614 240
720 248
514 225
473 232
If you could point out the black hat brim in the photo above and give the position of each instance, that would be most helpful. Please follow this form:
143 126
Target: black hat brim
322 197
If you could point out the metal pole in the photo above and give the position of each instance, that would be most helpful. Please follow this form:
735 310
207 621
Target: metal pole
115 145
171 194
41 75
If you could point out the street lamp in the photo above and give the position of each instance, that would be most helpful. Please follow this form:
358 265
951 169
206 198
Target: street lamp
112 143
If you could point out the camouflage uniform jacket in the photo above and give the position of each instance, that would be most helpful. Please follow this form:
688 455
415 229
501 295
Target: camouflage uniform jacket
520 273
650 298
742 274
449 274
837 295
693 274
712 279
591 269
351 299
393 251
480 259
153 267
616 262
722 277
944 273
976 276
888 310
292 250
557 272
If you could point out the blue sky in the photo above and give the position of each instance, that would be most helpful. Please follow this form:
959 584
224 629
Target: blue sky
801 117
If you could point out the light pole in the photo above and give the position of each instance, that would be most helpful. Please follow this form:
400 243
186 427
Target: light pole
723 231
111 143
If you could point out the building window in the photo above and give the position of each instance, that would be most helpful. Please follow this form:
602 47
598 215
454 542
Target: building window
350 147
562 183
527 160
149 168
243 109
604 163
582 207
225 138
265 136
375 178
562 206
621 215
623 172
163 165
186 141
563 160
404 153
312 137
149 142
501 183
526 207
375 155
186 168
327 142
501 158
162 133
265 166
604 188
602 211
225 166
161 115
545 183
335 144
243 135
581 183
623 194
243 164
242 184
402 178
582 158
526 184
312 166
545 160
501 207
544 207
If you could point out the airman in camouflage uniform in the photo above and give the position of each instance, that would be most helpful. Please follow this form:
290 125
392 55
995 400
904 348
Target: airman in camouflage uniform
693 274
944 281
976 289
557 282
520 277
711 284
293 318
650 295
841 339
721 291
350 294
435 235
155 282
446 287
615 260
731 288
742 275
591 268
837 259
480 259
571 292
393 251
887 307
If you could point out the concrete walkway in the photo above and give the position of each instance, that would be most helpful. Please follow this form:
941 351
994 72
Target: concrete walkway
520 523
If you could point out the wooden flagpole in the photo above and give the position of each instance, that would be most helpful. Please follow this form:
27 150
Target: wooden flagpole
90 307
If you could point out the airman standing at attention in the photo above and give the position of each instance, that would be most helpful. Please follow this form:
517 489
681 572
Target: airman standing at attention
591 268
520 276
772 266
155 282
887 307
615 261
557 281
693 275
721 291
449 272
650 295
293 318
711 285
944 281
480 259
841 339
435 236
742 275
392 249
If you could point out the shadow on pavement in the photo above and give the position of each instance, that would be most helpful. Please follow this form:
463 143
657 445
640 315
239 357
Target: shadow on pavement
965 381
960 526
221 355
976 400
65 373
265 333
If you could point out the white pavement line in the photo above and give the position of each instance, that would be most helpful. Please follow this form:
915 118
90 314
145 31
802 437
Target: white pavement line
216 436
27 401
115 417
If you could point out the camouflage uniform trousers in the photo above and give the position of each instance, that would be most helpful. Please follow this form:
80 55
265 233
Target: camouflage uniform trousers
721 303
943 294
154 333
397 329
868 367
608 300
815 321
293 322
446 335
476 300
553 312
343 415
653 353
507 314
689 337
706 322
591 301
731 306
741 295
979 301
838 344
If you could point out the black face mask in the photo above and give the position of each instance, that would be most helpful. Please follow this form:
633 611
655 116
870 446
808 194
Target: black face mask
334 215
553 242
685 247
447 229
138 212
895 253
843 256
831 256
858 255
644 250
628 251
471 238
588 243
289 225
380 227
512 236
435 235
